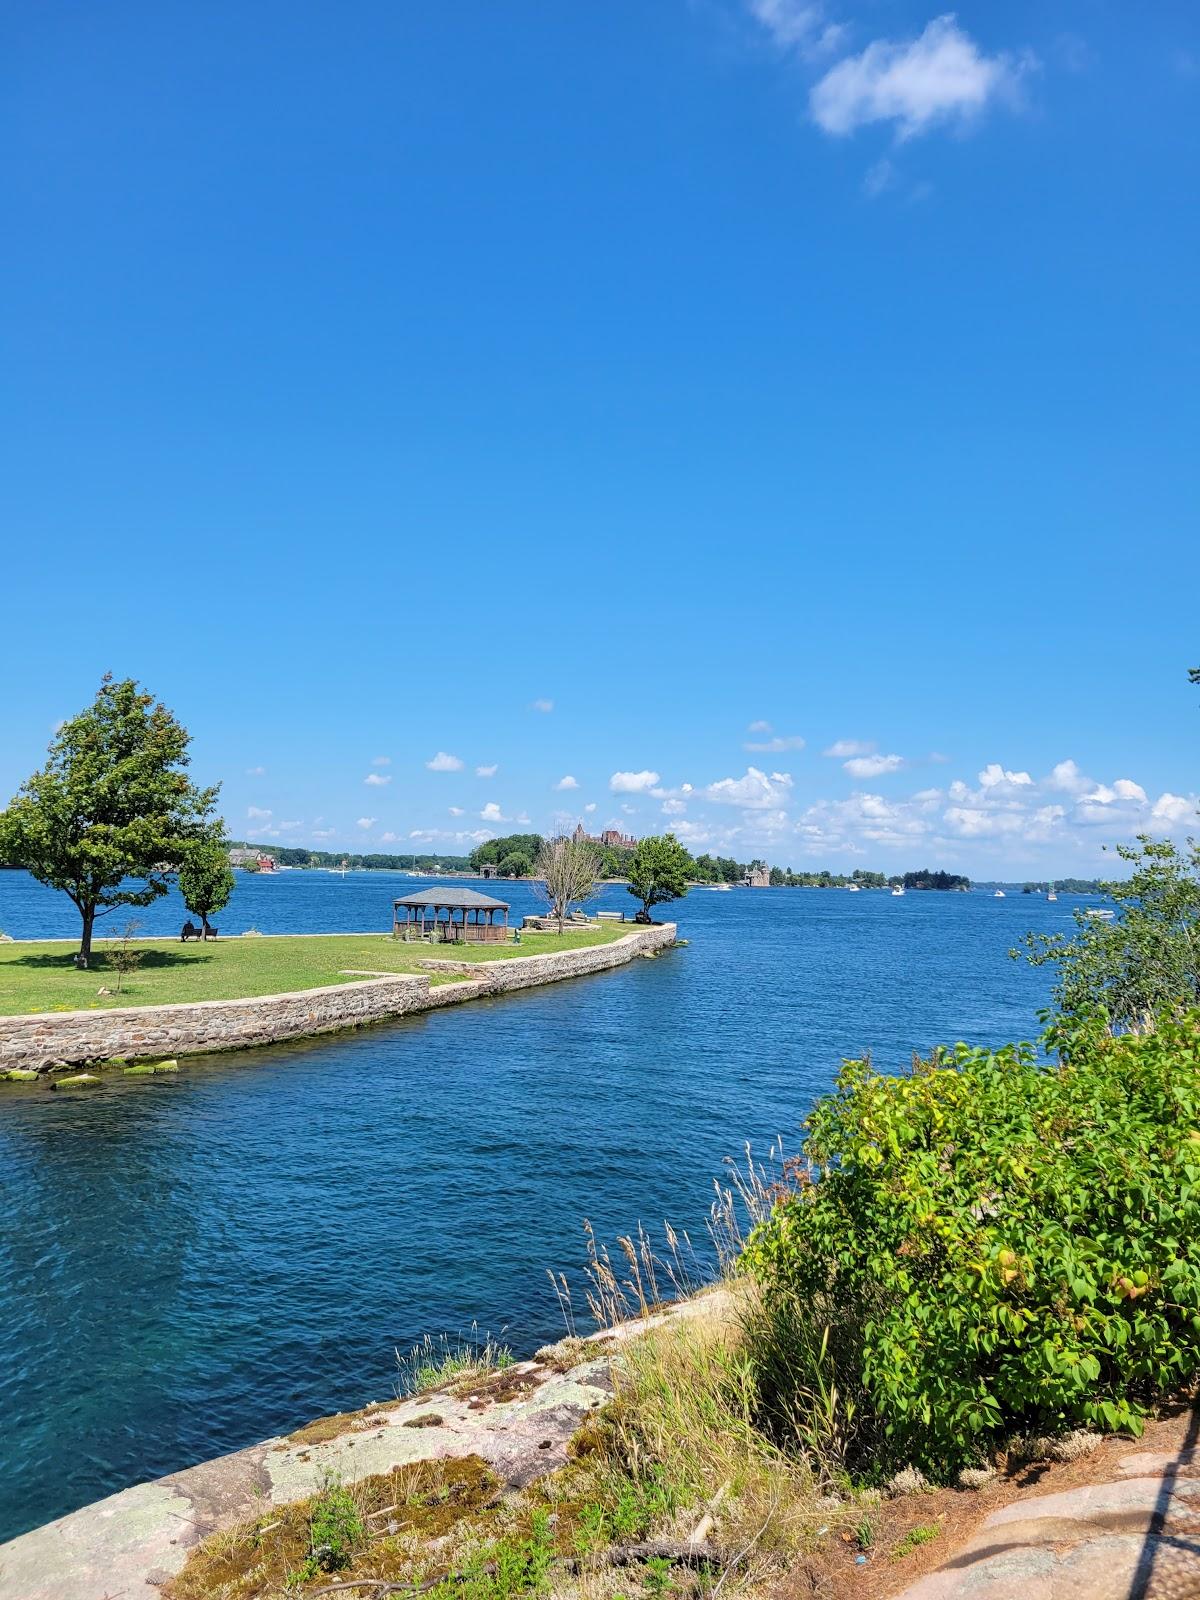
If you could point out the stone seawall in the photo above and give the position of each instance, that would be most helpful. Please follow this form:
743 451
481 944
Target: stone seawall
204 1025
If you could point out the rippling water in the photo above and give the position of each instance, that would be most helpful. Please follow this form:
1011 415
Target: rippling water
190 1264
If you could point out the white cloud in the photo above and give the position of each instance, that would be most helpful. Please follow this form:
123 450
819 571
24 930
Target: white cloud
389 838
381 761
492 813
777 745
451 836
942 76
366 822
543 705
567 782
456 811
759 727
590 807
872 766
257 814
755 791
290 827
377 780
1126 789
488 772
1067 778
1005 824
799 25
673 808
632 782
251 772
324 833
994 775
444 763
1174 808
841 748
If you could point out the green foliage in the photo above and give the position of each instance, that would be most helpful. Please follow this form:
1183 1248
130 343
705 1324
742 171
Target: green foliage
206 879
993 1244
336 1529
1145 960
526 845
915 1538
1063 885
925 879
659 871
505 1568
433 1363
718 869
112 803
376 860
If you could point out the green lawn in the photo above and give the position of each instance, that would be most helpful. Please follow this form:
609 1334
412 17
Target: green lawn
40 977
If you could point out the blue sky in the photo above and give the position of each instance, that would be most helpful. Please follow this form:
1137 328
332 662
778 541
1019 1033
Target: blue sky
567 389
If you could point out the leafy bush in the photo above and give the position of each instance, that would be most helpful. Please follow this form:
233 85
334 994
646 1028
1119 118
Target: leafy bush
336 1529
1147 959
990 1244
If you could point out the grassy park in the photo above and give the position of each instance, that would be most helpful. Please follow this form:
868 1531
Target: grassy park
39 976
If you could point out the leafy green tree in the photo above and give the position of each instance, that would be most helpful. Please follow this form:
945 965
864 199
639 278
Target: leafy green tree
1146 959
659 871
515 865
206 880
493 851
112 803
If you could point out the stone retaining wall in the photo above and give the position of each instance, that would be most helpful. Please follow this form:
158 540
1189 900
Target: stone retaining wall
203 1025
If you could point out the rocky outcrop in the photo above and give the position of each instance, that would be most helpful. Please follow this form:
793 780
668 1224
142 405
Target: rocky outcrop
519 1421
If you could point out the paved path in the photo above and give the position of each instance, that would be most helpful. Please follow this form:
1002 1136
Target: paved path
1135 1537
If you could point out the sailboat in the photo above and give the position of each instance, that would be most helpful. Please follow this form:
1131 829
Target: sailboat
1051 894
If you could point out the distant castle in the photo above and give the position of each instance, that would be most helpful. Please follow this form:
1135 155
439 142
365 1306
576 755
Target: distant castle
612 837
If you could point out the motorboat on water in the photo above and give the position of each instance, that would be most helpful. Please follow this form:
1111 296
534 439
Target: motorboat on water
897 891
1101 913
999 895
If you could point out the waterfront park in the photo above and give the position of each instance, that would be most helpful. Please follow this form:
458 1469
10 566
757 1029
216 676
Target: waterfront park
599 818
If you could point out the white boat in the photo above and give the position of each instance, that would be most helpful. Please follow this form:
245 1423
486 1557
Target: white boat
897 891
1101 913
854 888
999 895
716 888
1051 894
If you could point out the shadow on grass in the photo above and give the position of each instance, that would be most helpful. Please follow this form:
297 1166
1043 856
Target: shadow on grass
152 961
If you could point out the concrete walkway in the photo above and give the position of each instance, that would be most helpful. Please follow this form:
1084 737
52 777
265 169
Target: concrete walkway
1135 1537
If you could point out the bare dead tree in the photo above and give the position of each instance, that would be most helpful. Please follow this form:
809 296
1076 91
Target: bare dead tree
568 869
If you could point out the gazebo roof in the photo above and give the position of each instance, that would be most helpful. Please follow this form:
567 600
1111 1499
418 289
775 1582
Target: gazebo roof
452 900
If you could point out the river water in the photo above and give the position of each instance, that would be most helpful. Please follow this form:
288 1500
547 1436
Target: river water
189 1264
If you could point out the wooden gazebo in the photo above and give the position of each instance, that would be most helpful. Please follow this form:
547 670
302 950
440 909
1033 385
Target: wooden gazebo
469 917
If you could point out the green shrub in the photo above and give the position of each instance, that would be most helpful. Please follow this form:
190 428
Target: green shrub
336 1529
991 1243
